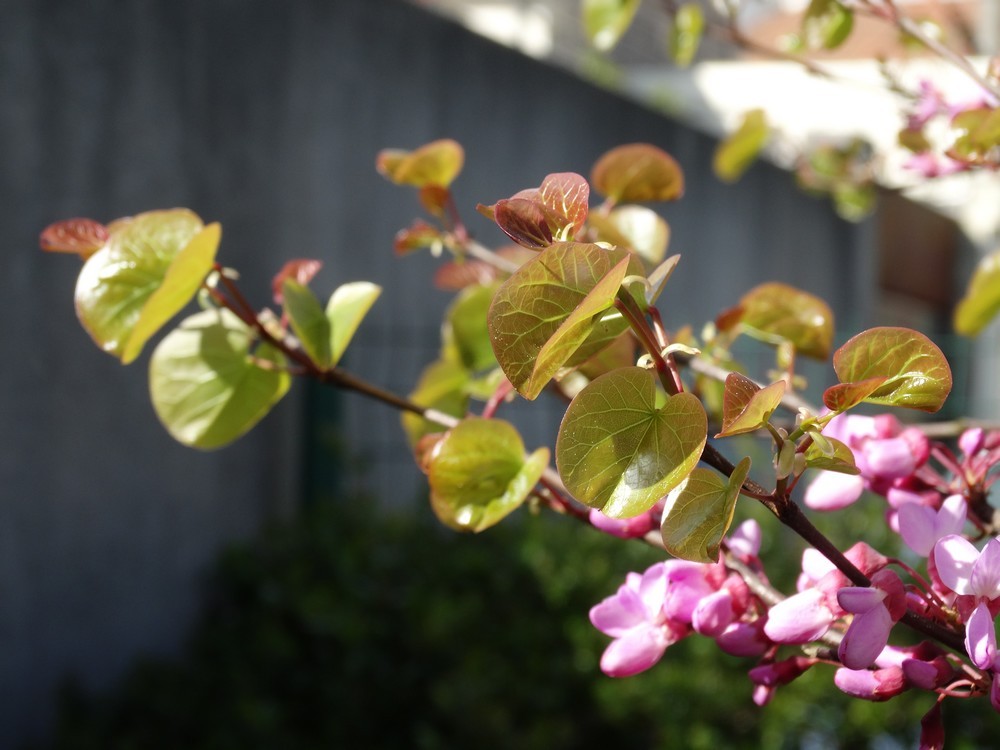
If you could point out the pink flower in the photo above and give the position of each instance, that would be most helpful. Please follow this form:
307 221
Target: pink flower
976 575
635 618
625 528
921 527
876 609
872 685
800 618
831 490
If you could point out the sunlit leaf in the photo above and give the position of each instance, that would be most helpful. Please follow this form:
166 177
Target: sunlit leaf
637 173
659 277
465 327
442 386
736 153
686 33
142 277
637 228
826 24
566 195
840 459
543 313
417 236
83 237
623 445
982 297
776 312
747 407
346 308
303 270
478 473
699 511
605 21
845 396
437 163
207 387
916 372
309 321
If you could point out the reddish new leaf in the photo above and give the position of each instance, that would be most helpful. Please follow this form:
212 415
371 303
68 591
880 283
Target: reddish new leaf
301 270
81 236
524 221
848 395
746 406
417 236
566 195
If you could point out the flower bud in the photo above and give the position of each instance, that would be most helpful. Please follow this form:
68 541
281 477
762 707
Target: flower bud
871 685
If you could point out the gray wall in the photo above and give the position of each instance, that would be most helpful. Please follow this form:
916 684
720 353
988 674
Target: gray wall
266 116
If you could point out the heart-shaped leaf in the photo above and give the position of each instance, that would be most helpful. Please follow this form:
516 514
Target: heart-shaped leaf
637 173
150 268
699 511
566 195
437 163
846 396
623 445
638 228
442 386
81 236
747 407
606 20
551 305
206 386
826 24
982 297
836 457
736 153
776 312
916 372
478 473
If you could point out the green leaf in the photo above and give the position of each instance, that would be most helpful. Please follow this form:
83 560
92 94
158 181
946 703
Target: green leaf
848 395
699 511
437 163
917 375
465 327
550 306
638 228
736 153
826 24
150 268
840 458
776 312
442 386
982 297
347 307
207 388
478 473
637 173
605 21
686 33
747 407
308 320
623 445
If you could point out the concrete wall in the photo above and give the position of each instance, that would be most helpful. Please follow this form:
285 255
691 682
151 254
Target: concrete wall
266 115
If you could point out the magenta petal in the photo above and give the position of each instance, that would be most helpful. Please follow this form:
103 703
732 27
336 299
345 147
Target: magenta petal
713 614
891 458
831 490
801 618
859 599
634 652
952 515
985 579
954 557
745 541
618 614
742 639
872 685
865 638
981 637
653 590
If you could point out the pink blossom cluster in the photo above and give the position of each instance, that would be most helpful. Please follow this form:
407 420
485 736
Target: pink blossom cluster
849 626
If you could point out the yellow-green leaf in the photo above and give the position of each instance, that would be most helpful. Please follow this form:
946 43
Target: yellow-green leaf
736 153
699 511
747 407
308 320
207 387
776 312
826 24
347 307
478 473
623 445
637 173
686 33
638 228
915 371
437 163
606 20
982 297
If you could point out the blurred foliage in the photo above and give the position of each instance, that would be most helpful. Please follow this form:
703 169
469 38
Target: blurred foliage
347 630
